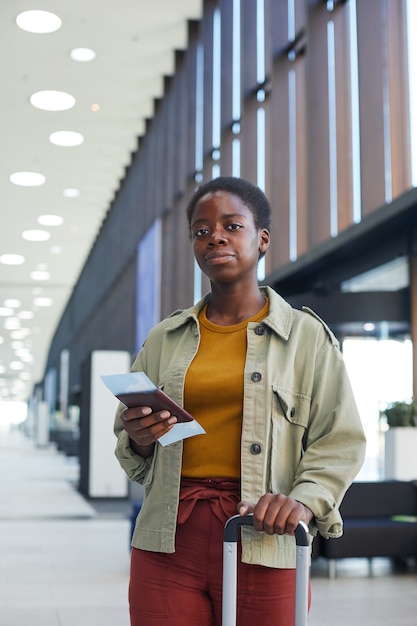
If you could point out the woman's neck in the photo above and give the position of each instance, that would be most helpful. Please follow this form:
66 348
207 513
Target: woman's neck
226 308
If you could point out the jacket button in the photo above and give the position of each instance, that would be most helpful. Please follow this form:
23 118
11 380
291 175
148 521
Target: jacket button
292 411
256 377
259 330
255 448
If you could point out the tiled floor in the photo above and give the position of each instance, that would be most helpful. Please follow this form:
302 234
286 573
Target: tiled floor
64 561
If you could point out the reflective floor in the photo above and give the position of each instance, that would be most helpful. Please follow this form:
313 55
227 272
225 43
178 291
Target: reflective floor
64 561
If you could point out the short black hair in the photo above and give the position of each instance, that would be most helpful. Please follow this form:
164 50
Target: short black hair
251 195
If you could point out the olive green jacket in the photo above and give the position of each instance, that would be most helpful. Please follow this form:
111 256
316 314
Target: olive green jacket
301 434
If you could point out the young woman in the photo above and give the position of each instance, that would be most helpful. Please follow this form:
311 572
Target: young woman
283 436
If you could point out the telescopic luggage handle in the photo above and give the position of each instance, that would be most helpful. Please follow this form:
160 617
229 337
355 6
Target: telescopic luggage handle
231 533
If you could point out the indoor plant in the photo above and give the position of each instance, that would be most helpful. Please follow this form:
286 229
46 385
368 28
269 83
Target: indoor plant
401 440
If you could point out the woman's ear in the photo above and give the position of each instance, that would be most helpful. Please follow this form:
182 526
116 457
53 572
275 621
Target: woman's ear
264 240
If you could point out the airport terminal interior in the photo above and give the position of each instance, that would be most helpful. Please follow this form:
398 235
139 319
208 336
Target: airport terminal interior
314 101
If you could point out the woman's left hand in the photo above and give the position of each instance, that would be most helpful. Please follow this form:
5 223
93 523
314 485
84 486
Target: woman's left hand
276 514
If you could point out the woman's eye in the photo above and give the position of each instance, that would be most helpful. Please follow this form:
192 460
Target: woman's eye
201 232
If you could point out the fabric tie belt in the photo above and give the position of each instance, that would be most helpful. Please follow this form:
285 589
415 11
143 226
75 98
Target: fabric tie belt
222 494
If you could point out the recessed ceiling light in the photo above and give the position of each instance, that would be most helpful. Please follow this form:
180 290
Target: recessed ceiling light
50 220
36 235
12 323
40 275
95 107
27 179
16 365
38 21
43 301
26 358
56 250
82 54
12 259
12 303
52 100
25 315
21 333
5 311
71 192
66 138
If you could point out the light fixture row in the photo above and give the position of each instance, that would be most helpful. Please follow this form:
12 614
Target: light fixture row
37 22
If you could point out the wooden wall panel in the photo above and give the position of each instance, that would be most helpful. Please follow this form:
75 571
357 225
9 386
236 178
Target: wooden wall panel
248 134
318 125
277 136
160 179
226 86
370 73
207 38
398 96
340 17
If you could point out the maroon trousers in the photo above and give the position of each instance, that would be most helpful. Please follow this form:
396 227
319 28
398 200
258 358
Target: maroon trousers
185 588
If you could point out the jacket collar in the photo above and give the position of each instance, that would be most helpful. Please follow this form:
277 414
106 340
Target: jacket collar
279 319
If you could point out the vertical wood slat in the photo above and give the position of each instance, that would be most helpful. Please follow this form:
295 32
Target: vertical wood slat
398 96
226 7
191 99
207 38
248 84
160 153
370 76
277 136
181 275
343 117
194 38
301 156
318 126
168 226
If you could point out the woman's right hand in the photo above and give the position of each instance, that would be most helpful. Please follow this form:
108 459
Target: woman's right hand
145 427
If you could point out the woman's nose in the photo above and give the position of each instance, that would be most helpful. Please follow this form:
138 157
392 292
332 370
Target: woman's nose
217 236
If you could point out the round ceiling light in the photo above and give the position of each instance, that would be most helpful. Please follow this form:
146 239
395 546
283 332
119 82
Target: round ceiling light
43 301
36 235
12 303
40 275
50 100
39 22
71 192
27 179
50 220
83 55
12 259
66 138
25 315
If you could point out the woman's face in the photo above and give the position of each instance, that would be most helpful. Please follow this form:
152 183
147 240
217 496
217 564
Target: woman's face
225 239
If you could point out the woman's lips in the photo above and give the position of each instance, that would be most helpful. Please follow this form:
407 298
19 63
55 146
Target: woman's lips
218 258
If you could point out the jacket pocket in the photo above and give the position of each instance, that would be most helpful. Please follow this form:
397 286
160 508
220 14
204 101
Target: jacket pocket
295 407
289 423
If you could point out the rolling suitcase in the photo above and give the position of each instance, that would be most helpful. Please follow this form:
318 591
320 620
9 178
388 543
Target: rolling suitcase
231 532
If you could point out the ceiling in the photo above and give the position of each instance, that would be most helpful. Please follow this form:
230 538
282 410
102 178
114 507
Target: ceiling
134 42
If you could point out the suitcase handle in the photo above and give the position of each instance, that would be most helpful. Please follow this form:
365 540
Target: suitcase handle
231 534
233 524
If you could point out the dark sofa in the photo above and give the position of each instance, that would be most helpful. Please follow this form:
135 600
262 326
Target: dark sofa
372 527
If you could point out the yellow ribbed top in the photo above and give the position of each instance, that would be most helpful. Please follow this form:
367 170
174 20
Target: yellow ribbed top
213 394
